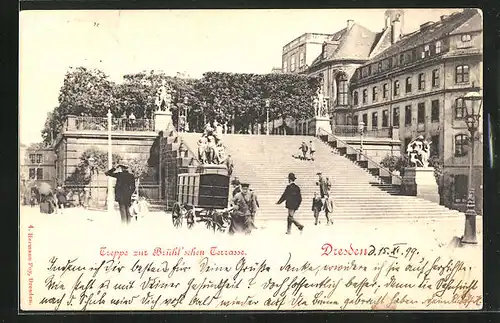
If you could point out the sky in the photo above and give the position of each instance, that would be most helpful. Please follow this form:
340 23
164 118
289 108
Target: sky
120 42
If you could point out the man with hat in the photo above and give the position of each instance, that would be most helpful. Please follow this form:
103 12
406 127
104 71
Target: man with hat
293 200
245 206
124 188
236 186
324 185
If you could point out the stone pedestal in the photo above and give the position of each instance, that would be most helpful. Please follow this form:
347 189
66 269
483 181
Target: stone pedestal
420 182
162 120
321 122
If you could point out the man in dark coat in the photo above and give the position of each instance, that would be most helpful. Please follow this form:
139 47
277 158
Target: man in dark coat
293 200
124 188
236 186
324 185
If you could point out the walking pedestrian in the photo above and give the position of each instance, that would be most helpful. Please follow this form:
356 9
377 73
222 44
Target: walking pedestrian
293 199
124 188
245 206
311 150
303 147
317 206
324 184
236 186
61 199
328 207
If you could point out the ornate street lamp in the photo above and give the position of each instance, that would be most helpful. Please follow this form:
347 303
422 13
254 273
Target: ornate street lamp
473 104
361 129
268 104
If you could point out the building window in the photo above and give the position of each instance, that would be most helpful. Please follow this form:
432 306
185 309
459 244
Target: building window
460 189
395 117
459 108
374 120
435 78
385 90
434 146
435 111
365 119
401 59
355 98
374 94
285 66
301 59
396 88
292 64
355 120
379 67
385 119
414 55
408 115
35 158
466 41
365 95
421 81
36 173
462 74
408 85
438 47
427 51
461 145
342 90
421 113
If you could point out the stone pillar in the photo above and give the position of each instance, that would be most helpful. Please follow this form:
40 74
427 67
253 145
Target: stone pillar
162 120
420 182
71 122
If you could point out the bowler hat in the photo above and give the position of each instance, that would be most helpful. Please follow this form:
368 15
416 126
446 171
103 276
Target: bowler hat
243 185
292 177
318 173
122 166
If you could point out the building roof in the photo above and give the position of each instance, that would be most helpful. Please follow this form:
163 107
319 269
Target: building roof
356 43
432 32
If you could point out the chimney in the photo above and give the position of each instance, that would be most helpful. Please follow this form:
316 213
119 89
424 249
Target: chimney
443 17
349 24
396 30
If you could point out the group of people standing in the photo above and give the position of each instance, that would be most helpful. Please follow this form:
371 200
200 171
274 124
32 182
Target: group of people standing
210 147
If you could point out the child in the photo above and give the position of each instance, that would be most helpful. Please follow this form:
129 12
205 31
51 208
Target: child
328 207
317 205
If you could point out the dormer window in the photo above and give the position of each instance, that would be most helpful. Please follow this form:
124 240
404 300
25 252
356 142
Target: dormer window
466 41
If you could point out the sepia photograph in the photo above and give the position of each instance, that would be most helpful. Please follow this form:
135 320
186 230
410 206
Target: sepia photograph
251 160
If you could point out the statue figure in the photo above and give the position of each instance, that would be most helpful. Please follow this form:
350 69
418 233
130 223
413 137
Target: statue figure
164 97
418 151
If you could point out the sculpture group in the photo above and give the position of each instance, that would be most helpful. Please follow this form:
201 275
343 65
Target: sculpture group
418 152
164 97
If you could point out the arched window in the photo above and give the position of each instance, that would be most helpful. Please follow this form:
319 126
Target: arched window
355 98
342 90
461 141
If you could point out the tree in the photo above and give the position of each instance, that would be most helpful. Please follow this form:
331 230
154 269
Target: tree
92 161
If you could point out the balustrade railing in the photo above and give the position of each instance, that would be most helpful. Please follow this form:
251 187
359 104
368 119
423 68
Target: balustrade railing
353 131
331 137
101 124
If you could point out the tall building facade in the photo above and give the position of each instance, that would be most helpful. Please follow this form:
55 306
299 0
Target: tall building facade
37 165
417 85
299 54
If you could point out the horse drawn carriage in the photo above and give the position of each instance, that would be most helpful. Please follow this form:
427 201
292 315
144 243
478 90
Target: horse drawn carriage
202 198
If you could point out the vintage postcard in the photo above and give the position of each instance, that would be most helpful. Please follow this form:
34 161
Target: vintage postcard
256 160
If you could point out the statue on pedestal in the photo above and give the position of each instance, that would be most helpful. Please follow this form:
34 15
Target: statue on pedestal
418 152
164 97
319 104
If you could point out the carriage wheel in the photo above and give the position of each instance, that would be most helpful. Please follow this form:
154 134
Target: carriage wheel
177 215
190 219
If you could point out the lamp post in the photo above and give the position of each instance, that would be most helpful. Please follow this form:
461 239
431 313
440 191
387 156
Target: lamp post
473 104
268 103
361 129
110 164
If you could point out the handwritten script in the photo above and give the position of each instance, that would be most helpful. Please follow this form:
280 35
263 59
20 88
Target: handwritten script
181 278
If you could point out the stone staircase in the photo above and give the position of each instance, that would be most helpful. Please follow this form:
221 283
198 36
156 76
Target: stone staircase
265 161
